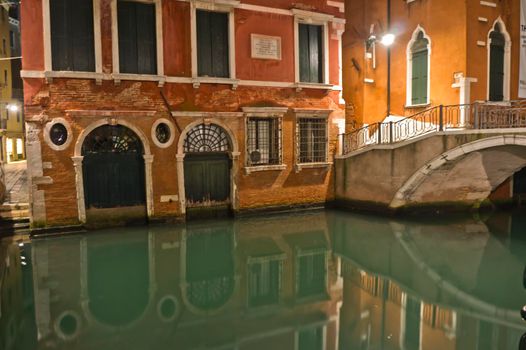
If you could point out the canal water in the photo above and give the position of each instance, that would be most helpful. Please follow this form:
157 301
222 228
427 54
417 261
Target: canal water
320 280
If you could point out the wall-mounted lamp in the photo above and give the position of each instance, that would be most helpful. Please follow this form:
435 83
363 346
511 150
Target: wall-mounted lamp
388 39
12 108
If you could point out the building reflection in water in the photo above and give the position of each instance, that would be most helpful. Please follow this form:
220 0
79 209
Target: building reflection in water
315 281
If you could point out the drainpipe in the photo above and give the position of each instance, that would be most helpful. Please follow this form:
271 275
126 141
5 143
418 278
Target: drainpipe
388 60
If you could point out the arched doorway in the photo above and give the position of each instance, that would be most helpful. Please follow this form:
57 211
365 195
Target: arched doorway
496 64
207 165
113 168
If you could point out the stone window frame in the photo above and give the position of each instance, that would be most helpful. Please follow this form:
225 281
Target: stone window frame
48 59
118 76
308 17
313 114
265 112
48 140
172 133
225 6
409 68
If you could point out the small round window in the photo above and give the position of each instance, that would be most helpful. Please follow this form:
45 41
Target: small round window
58 134
68 325
162 133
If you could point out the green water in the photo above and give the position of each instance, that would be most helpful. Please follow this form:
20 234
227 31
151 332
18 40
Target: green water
317 280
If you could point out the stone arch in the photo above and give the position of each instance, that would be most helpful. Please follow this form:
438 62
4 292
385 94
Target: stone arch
407 192
234 155
507 58
78 158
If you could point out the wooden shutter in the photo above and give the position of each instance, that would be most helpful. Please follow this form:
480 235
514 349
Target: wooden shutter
496 80
419 77
72 46
212 44
311 53
137 38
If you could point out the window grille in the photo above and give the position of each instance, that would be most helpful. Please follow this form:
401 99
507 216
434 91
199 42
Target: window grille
263 141
207 138
264 282
312 140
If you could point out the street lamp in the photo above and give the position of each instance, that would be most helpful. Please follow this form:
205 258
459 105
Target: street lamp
12 108
388 39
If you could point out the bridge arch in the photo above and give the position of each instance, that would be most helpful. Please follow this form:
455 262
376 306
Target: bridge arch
468 173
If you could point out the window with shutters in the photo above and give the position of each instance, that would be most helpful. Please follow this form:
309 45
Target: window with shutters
264 141
212 44
311 274
419 68
72 39
311 139
412 308
497 45
137 37
311 53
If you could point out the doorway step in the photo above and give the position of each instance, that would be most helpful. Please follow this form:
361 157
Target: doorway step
14 219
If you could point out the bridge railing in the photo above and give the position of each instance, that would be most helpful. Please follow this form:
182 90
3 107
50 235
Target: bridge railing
479 115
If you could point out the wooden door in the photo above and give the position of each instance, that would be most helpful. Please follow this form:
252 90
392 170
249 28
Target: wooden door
207 179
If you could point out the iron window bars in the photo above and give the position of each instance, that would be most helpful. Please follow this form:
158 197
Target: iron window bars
264 141
311 140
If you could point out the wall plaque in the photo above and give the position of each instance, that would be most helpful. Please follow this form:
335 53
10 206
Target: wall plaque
266 47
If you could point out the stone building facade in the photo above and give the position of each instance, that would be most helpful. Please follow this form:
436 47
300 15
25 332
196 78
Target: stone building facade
202 104
454 49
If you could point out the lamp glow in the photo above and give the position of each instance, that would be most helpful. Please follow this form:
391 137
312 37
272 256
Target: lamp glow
12 108
388 39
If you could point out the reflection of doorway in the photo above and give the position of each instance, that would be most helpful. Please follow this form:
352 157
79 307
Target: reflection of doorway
207 167
519 185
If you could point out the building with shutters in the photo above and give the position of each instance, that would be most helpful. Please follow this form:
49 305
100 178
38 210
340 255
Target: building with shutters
156 109
445 53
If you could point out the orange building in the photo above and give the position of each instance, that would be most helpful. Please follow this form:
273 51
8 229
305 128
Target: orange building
199 103
444 53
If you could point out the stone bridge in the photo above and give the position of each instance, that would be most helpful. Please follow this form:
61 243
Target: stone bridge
443 167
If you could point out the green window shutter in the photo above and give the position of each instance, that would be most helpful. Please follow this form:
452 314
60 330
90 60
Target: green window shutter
310 53
419 77
212 44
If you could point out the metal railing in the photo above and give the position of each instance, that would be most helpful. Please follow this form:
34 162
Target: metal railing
479 115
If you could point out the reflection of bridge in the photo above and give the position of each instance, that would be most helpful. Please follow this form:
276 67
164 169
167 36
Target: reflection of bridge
446 154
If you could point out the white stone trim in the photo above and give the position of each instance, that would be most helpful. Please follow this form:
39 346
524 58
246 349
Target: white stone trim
337 4
219 6
78 158
59 331
172 133
158 29
69 137
507 59
409 67
257 168
211 118
97 44
488 4
315 18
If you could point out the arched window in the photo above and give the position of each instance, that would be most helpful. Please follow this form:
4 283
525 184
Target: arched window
497 44
207 138
418 69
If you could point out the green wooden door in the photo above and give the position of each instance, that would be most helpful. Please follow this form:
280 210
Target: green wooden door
207 179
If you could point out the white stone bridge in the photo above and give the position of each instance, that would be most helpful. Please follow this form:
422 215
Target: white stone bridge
445 156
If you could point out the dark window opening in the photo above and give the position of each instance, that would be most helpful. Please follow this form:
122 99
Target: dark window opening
312 274
72 46
162 133
310 339
412 324
58 134
212 44
137 38
263 141
264 282
496 65
312 140
311 53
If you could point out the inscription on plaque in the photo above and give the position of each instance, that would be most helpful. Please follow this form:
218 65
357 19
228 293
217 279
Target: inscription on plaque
266 47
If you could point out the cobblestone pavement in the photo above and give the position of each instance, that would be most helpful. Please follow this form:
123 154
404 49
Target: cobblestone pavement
16 182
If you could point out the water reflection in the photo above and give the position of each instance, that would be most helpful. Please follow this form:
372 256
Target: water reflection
321 280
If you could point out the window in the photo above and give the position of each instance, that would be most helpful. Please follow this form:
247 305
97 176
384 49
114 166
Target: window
496 65
311 338
310 53
311 274
72 43
263 141
264 282
12 39
419 65
312 140
212 44
412 323
137 37
58 134
5 77
4 47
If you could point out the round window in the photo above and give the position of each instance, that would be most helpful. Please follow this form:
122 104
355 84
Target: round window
168 308
58 134
162 132
68 325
